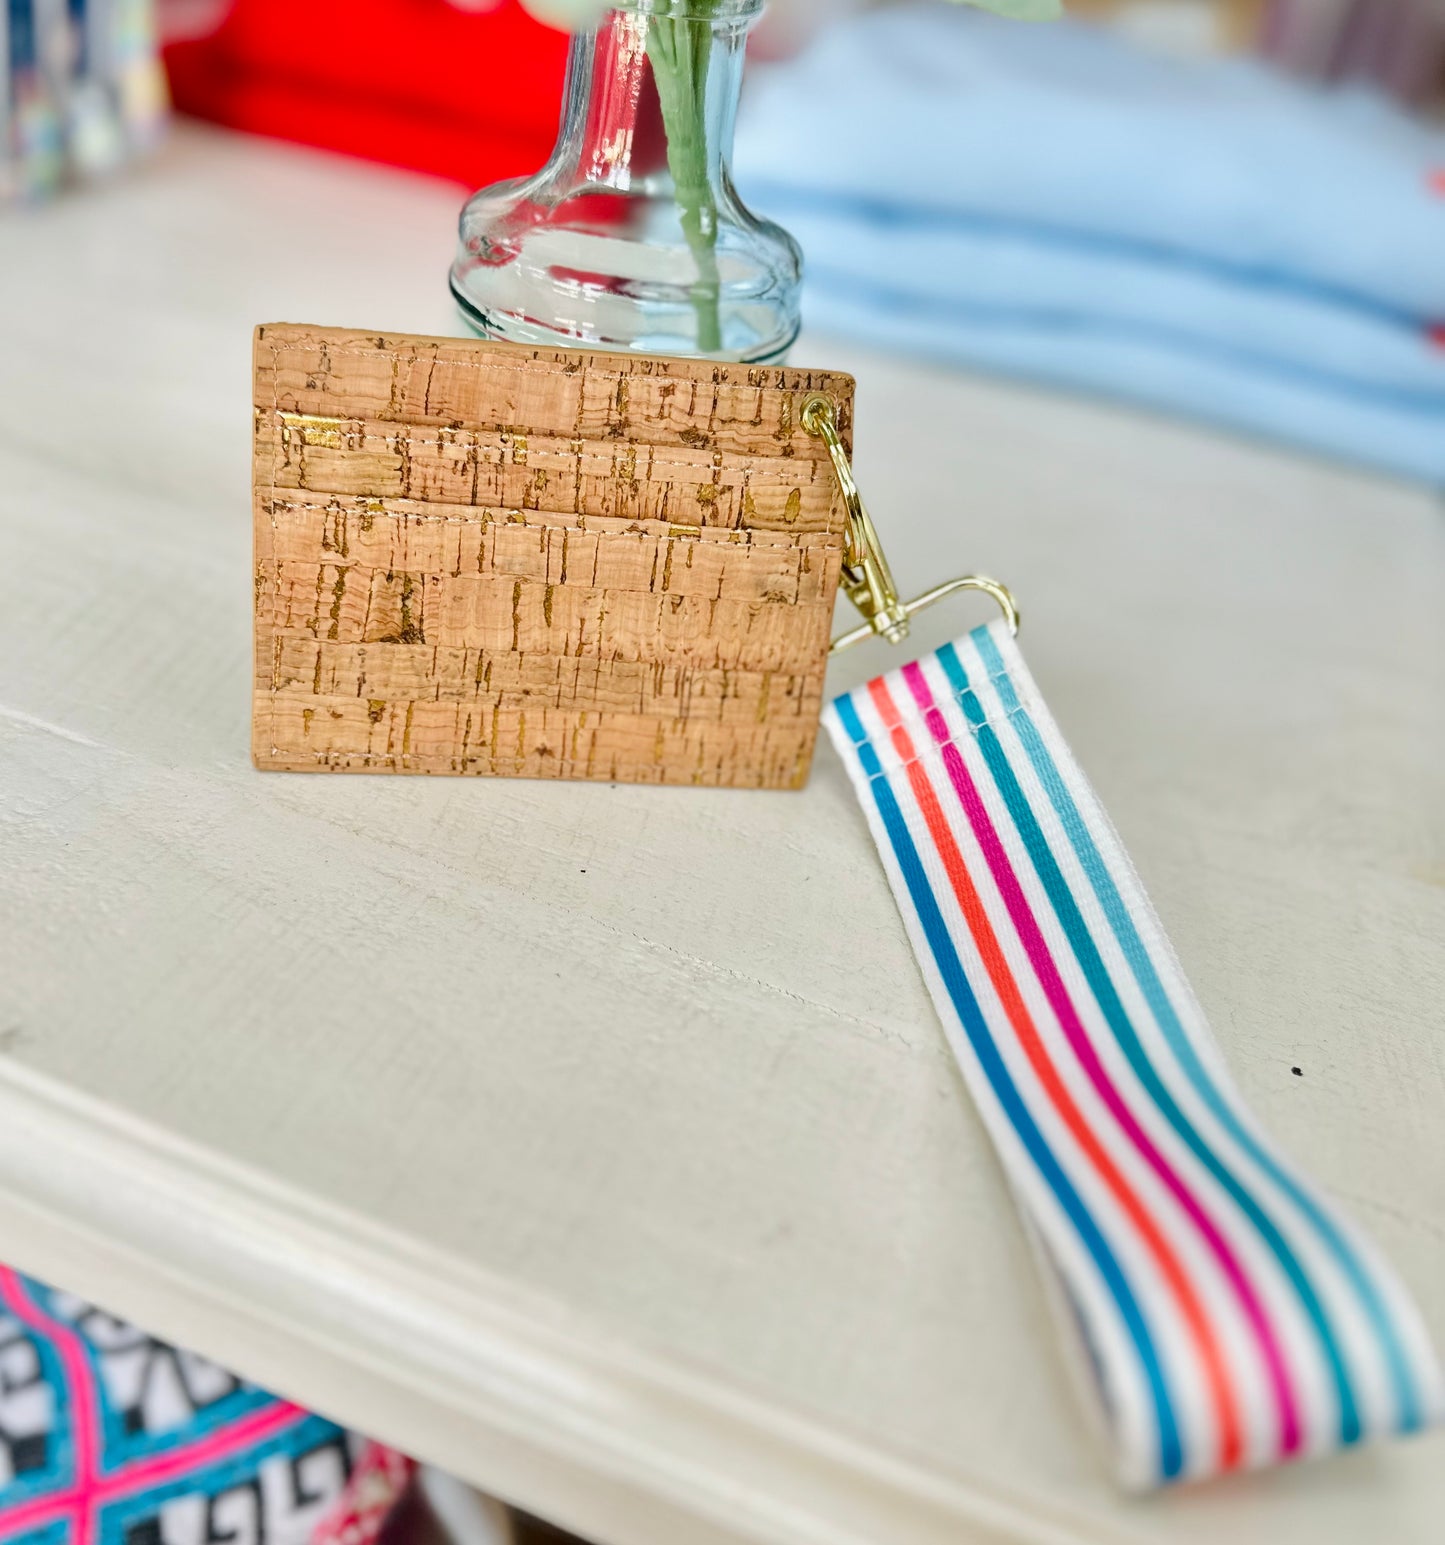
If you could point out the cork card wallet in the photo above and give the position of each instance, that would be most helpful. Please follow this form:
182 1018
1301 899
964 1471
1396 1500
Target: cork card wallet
478 558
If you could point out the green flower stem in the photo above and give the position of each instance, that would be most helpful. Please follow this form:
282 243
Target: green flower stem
680 49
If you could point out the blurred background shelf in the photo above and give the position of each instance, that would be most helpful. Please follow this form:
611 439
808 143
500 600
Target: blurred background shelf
471 90
420 1102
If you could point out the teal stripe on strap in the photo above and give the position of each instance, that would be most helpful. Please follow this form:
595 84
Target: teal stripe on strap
1170 1456
1086 952
1407 1396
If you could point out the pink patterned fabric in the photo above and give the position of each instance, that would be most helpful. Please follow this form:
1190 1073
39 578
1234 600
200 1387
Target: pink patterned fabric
111 1437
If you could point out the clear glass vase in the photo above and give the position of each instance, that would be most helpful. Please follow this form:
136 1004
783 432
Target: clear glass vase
632 236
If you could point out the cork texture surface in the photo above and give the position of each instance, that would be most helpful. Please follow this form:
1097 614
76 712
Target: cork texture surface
475 558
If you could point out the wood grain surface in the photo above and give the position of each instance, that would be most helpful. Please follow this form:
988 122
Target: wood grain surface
476 558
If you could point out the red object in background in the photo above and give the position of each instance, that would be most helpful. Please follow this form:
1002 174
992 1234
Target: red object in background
416 83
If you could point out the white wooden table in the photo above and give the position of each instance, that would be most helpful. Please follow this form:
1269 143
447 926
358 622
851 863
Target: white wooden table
565 1135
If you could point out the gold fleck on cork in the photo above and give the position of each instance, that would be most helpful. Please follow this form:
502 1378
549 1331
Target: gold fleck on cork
310 430
577 565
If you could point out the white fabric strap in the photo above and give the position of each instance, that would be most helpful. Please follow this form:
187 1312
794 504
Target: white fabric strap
1231 1315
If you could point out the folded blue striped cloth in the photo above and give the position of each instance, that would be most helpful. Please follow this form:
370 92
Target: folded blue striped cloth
1197 235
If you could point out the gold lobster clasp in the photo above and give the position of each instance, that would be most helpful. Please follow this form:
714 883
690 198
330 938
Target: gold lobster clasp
867 580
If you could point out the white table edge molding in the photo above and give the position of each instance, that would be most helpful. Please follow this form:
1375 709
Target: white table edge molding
514 1395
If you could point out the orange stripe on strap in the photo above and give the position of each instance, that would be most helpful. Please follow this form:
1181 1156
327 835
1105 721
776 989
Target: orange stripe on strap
1006 986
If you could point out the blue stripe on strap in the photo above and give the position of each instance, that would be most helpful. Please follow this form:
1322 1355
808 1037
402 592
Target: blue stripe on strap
950 969
1411 1416
1086 953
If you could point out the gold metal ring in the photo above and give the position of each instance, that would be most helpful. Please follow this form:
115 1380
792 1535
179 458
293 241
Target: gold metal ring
1001 593
867 580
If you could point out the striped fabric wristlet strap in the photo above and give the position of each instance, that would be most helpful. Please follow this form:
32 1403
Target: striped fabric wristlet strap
1232 1317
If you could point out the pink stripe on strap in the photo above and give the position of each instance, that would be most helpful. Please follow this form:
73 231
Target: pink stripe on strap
1040 958
1006 984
